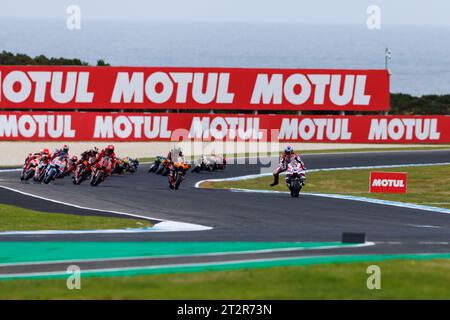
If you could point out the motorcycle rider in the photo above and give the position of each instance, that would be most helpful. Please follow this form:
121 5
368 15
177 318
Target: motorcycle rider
63 152
71 166
36 155
44 160
175 155
88 154
108 151
286 158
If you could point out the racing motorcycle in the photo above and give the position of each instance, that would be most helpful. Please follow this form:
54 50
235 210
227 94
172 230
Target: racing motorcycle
164 167
130 164
29 169
55 169
203 164
295 178
83 171
155 165
209 163
119 168
100 171
41 169
177 176
126 164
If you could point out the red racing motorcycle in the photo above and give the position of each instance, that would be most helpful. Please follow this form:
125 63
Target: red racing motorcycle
100 171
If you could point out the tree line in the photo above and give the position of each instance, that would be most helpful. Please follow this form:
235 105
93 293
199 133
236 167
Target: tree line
9 58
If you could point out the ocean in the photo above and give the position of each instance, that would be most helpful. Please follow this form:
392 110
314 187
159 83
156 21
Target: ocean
420 55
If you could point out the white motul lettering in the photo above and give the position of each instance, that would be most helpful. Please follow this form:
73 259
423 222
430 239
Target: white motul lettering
344 98
8 86
122 127
233 126
320 126
434 134
391 183
223 95
8 126
288 129
294 81
407 129
68 131
183 79
199 128
207 96
158 78
27 126
306 129
128 90
320 81
409 124
151 131
266 91
55 128
103 127
164 132
396 129
360 98
57 93
378 129
218 128
83 95
42 121
41 79
137 126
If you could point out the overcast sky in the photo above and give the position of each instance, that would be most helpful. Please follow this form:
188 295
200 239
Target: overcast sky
403 12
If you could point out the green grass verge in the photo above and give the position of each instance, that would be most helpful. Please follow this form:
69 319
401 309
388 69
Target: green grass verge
429 147
13 218
400 279
428 185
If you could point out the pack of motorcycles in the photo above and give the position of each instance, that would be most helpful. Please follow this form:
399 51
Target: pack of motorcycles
86 170
44 172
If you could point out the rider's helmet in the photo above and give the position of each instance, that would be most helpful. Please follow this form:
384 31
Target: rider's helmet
65 148
95 150
74 159
45 151
289 150
109 149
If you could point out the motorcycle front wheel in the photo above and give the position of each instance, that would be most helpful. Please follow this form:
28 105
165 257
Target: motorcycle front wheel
49 176
178 181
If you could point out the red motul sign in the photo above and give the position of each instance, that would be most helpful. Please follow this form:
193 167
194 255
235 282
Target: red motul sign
56 87
90 126
388 182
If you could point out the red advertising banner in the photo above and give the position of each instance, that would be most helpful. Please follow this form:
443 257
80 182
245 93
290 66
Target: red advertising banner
94 88
388 182
93 126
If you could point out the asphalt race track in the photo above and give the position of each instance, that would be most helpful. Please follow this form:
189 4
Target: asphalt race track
238 216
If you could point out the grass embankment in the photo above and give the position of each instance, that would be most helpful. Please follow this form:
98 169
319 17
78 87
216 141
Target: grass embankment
428 185
14 219
400 279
